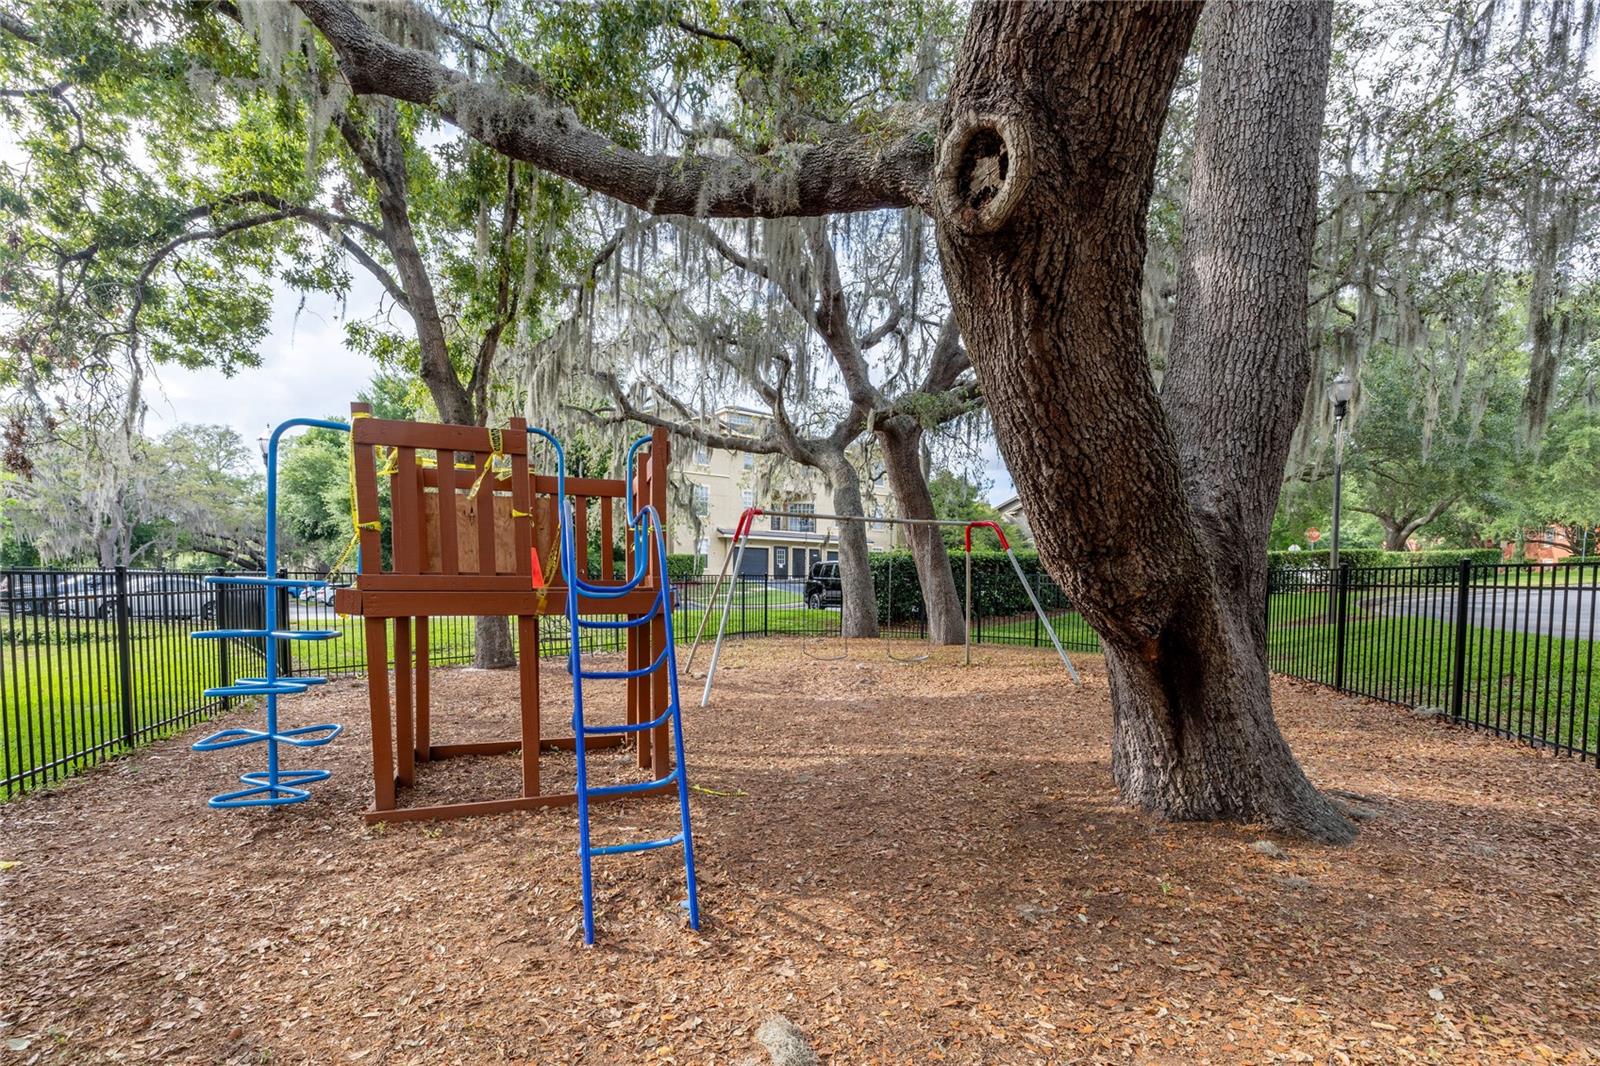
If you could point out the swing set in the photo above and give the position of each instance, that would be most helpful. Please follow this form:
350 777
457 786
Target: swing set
725 585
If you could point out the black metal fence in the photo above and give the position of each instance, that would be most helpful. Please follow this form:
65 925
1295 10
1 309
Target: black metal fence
93 663
1505 648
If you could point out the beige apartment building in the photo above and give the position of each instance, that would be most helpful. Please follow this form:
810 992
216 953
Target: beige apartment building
724 483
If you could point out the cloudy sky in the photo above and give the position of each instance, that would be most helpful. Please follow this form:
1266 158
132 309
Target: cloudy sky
306 371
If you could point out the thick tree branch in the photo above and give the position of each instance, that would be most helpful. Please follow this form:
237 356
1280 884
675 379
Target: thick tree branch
688 427
17 28
842 171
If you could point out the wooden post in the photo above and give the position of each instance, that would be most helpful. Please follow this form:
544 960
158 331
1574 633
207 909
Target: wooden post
378 697
528 678
404 709
423 741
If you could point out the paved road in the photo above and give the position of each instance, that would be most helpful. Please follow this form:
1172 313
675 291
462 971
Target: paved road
1571 611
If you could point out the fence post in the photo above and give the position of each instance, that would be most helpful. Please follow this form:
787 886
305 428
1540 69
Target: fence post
1341 611
1458 674
285 662
1036 623
124 653
224 670
766 606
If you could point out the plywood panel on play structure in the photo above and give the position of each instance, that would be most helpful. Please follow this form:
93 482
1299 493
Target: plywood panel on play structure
467 554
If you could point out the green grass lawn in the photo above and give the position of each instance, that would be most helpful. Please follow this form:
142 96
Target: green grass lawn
61 705
61 697
1528 685
1073 632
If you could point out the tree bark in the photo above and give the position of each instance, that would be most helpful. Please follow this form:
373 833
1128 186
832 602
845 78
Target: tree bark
383 160
901 438
859 609
1151 510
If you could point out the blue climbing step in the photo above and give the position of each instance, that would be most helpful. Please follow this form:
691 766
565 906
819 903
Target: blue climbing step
275 785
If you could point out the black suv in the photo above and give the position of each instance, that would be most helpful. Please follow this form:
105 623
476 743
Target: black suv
822 586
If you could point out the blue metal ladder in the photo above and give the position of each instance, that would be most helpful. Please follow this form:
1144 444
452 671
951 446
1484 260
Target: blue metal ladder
273 786
649 534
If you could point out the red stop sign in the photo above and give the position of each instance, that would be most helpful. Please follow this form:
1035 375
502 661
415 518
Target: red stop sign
1313 534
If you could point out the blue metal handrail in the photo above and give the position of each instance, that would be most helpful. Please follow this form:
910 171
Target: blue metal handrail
641 524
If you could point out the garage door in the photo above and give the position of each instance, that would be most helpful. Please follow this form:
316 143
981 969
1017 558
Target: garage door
754 563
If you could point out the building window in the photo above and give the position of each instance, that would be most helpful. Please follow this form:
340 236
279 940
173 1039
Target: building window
702 454
749 460
803 525
702 500
877 512
747 497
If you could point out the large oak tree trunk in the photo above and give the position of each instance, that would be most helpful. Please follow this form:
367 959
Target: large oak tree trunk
384 161
1152 510
902 459
859 609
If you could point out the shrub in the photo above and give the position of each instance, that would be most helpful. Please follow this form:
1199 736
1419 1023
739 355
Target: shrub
994 583
682 567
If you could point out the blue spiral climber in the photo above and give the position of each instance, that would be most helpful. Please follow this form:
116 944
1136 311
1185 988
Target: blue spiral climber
273 786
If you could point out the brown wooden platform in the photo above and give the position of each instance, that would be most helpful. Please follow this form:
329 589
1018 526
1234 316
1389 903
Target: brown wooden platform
467 518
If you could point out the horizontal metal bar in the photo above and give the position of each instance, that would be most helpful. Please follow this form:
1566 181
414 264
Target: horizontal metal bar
299 679
262 634
617 675
642 845
631 727
633 787
264 581
865 518
283 687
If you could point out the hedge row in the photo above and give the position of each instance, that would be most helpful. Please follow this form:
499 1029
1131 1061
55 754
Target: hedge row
994 584
1359 557
683 566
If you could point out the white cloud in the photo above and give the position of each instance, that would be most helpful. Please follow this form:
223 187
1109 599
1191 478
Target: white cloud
306 370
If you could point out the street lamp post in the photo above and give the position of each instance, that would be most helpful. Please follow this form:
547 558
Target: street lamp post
1339 391
264 442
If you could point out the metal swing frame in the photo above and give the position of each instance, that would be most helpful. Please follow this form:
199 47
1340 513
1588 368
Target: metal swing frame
741 535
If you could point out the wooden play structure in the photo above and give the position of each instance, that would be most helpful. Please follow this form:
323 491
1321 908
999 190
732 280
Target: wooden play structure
468 519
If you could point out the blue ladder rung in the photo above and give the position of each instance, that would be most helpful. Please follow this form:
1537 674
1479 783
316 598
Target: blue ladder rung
626 623
633 786
261 582
616 675
642 845
631 727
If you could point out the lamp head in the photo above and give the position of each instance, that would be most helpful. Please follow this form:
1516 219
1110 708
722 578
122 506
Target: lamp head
1340 389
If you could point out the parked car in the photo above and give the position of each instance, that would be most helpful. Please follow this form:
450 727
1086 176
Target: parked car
35 591
162 597
81 595
823 588
322 595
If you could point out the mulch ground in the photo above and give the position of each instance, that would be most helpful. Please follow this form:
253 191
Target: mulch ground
912 863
